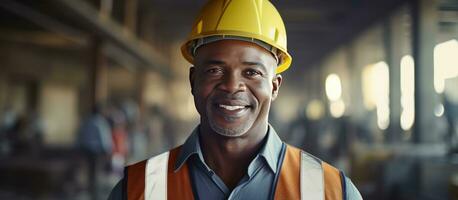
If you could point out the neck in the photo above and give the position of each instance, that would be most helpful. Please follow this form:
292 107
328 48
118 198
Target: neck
221 151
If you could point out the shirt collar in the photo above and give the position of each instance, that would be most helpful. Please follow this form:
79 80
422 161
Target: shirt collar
270 151
189 148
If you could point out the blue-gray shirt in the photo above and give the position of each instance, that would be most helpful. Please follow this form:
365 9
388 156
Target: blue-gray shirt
256 184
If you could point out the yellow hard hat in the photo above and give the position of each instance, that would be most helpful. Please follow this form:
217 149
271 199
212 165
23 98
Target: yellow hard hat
256 21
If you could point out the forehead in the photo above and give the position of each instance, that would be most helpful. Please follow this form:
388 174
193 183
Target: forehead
234 50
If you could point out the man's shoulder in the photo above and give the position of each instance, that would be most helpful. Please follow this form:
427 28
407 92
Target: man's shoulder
333 176
138 164
163 156
304 154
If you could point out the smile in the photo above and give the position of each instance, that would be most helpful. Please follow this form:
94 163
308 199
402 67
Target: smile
231 108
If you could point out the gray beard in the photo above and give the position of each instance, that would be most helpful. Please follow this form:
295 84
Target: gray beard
229 132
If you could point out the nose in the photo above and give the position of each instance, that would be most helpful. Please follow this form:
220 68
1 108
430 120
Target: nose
232 83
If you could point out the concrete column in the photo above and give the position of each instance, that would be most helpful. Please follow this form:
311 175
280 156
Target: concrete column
4 72
141 75
424 24
394 37
356 107
130 16
98 73
3 89
106 6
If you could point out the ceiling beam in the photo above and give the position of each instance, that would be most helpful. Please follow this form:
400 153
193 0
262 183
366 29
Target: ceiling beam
43 38
42 20
109 29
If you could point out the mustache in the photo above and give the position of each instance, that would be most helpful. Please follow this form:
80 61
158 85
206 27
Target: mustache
226 97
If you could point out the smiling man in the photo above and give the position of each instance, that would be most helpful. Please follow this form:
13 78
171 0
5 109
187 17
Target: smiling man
238 50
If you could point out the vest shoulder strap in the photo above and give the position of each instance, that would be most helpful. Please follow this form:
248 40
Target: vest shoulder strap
313 185
303 176
147 178
334 189
288 185
179 182
155 178
134 176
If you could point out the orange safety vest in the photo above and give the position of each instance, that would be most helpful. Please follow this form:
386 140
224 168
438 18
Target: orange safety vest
176 185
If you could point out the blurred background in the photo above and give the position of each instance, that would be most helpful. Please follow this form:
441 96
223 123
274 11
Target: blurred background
88 86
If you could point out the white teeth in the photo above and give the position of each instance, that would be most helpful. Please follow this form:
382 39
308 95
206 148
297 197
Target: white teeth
231 107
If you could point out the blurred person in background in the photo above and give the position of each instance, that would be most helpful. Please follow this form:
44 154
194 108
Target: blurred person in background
24 134
7 121
451 115
138 143
120 141
156 134
238 50
95 142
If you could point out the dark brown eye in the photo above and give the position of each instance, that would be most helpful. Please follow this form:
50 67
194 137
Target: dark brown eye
214 71
252 73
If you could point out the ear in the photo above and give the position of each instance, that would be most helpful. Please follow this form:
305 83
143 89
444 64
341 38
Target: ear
276 83
192 70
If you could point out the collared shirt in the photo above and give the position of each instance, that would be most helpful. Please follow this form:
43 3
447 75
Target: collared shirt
256 183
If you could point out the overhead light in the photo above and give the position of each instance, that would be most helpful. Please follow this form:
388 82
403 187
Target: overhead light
333 87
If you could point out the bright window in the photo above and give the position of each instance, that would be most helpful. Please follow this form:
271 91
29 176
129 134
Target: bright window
407 92
376 85
445 63
334 94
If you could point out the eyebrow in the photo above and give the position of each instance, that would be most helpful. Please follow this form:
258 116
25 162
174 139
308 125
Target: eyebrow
250 63
253 63
214 62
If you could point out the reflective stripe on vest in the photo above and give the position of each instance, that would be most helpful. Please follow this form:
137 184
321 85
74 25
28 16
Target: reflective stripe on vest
302 176
156 177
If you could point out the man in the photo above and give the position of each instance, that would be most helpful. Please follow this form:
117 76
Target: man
238 49
95 142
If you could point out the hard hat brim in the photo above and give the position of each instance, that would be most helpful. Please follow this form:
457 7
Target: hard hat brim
286 58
